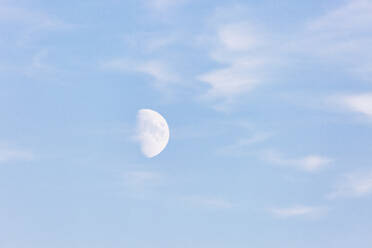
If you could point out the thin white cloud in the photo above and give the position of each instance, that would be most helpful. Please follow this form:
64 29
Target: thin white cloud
354 15
231 81
150 41
240 36
221 127
360 103
39 65
309 163
139 180
38 20
161 42
156 69
297 211
248 54
243 145
163 5
141 184
343 35
353 185
243 52
159 70
122 65
8 154
24 25
208 202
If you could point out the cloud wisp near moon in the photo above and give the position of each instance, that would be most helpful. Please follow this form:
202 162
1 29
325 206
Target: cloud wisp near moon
152 132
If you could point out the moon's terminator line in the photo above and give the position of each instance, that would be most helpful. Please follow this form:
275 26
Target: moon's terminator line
152 132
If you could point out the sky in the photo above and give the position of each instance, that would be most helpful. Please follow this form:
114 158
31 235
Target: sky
269 106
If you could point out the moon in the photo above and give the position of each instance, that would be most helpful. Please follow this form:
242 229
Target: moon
152 132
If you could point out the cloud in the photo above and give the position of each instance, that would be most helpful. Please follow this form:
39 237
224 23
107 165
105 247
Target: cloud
297 211
208 202
165 76
247 53
353 185
163 5
360 103
150 41
310 163
354 15
8 154
142 184
239 36
241 146
236 79
343 35
23 24
35 66
39 65
158 70
139 180
244 55
18 15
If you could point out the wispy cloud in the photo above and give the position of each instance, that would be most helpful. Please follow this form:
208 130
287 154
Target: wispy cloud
39 65
11 13
142 184
297 211
8 154
139 180
353 185
208 202
163 5
236 79
343 35
360 103
247 54
23 26
158 70
309 163
36 65
242 145
150 41
239 36
354 15
24 23
238 47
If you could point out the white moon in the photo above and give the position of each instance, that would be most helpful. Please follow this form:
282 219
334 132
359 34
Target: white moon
152 132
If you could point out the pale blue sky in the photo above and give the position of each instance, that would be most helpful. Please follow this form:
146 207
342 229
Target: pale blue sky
269 105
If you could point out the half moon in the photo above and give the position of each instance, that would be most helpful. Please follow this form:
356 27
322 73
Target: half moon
152 132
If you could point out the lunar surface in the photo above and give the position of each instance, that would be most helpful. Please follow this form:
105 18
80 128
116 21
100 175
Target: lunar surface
152 132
